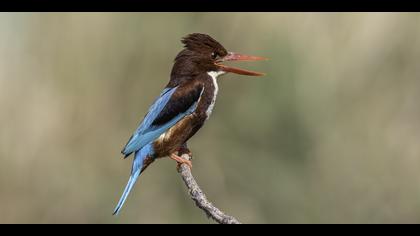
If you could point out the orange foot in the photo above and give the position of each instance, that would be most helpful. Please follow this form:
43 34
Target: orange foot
180 161
183 150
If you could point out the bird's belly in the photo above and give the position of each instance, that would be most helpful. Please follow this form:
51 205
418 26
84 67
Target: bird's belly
171 140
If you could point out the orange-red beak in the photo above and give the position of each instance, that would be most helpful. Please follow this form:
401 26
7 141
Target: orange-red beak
239 57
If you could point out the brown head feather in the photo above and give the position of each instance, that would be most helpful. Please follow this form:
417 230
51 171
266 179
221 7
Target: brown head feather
202 43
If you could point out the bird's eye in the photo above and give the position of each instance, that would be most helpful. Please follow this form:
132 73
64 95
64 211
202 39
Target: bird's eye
214 55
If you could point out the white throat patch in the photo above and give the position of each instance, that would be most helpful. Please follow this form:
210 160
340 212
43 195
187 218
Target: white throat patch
213 75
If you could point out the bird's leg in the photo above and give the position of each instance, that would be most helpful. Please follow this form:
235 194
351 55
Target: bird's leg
183 149
180 161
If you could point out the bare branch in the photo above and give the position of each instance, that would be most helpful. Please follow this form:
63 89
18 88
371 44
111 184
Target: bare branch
200 198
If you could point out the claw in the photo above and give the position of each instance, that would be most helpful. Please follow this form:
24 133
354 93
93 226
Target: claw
184 150
180 161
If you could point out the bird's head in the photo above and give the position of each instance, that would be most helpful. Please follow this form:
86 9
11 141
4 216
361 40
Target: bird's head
203 54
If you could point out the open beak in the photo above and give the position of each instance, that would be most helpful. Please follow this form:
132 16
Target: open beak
231 56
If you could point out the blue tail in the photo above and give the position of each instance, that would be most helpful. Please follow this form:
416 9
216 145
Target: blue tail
135 173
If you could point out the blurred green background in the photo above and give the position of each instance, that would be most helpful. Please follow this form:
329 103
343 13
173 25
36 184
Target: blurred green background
330 135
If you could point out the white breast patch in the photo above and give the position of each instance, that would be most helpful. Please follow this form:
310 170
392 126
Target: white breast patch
213 75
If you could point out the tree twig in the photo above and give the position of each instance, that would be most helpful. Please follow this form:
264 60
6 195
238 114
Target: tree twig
200 198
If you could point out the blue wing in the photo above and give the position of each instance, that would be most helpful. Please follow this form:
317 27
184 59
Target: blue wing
169 105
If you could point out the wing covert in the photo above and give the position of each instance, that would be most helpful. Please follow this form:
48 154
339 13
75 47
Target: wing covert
170 107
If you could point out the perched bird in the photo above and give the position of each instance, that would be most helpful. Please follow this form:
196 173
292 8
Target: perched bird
183 106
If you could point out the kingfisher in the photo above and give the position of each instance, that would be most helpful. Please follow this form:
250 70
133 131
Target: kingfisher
183 106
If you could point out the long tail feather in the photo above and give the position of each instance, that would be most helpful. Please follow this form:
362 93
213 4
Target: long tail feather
130 184
137 168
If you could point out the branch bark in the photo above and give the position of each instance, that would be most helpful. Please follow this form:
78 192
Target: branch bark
200 198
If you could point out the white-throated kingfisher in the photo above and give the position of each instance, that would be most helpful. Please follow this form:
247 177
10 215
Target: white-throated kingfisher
183 106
